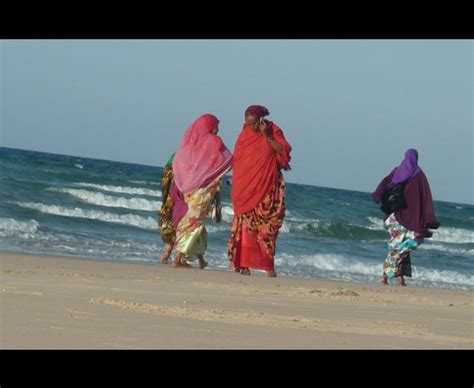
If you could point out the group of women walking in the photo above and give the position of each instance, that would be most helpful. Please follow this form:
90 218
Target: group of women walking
191 185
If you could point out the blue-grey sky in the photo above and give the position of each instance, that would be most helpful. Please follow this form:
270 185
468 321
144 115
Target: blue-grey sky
350 108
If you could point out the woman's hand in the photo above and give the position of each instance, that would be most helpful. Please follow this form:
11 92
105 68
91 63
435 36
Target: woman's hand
267 132
264 128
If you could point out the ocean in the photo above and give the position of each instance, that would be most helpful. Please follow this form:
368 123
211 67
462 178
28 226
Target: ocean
105 210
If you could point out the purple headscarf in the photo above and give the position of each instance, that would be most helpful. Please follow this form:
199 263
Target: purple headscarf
407 169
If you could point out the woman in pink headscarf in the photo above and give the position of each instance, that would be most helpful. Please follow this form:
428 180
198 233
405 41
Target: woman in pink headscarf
200 162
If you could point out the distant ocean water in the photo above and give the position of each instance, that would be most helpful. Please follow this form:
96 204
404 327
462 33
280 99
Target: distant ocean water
80 207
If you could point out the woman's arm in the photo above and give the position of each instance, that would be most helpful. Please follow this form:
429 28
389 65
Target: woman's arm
265 129
275 145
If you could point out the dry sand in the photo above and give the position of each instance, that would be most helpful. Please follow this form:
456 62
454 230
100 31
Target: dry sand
49 302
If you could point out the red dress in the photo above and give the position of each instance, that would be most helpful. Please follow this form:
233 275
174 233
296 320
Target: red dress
258 197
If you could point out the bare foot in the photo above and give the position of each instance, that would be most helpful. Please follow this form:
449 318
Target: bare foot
202 262
402 282
384 279
166 253
245 271
181 262
271 274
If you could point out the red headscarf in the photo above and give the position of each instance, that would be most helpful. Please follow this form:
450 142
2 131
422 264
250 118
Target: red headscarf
257 111
201 157
256 166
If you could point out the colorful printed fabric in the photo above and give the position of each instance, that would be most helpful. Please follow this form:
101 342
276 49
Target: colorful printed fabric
256 167
165 219
191 233
252 243
402 242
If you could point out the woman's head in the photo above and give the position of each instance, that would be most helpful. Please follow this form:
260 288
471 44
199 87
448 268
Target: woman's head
202 126
253 114
412 156
207 123
201 154
407 169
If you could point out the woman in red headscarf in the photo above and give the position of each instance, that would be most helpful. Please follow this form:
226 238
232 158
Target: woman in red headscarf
201 161
258 192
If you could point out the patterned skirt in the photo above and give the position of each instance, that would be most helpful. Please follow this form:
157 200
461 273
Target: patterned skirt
401 243
252 242
165 219
191 234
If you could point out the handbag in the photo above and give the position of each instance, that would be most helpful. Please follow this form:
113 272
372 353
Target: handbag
394 199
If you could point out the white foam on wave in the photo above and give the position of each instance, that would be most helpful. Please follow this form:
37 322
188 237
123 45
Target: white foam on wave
122 189
443 234
95 198
227 213
453 235
145 183
344 268
299 226
214 228
285 228
125 219
12 227
79 166
447 249
330 262
439 277
375 223
116 249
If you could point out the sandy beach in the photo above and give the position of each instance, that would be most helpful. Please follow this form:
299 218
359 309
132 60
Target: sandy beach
51 302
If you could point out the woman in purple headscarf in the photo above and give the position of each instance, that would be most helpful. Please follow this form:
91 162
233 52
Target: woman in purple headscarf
409 226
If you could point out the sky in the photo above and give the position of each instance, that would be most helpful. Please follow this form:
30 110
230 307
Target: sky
349 108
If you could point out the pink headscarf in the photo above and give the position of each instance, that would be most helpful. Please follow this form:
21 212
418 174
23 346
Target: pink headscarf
201 157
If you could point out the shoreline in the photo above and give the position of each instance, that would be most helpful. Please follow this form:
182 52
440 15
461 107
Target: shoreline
56 302
255 272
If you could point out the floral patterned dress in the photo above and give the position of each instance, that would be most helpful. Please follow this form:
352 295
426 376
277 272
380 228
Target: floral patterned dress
191 233
165 218
402 242
252 243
